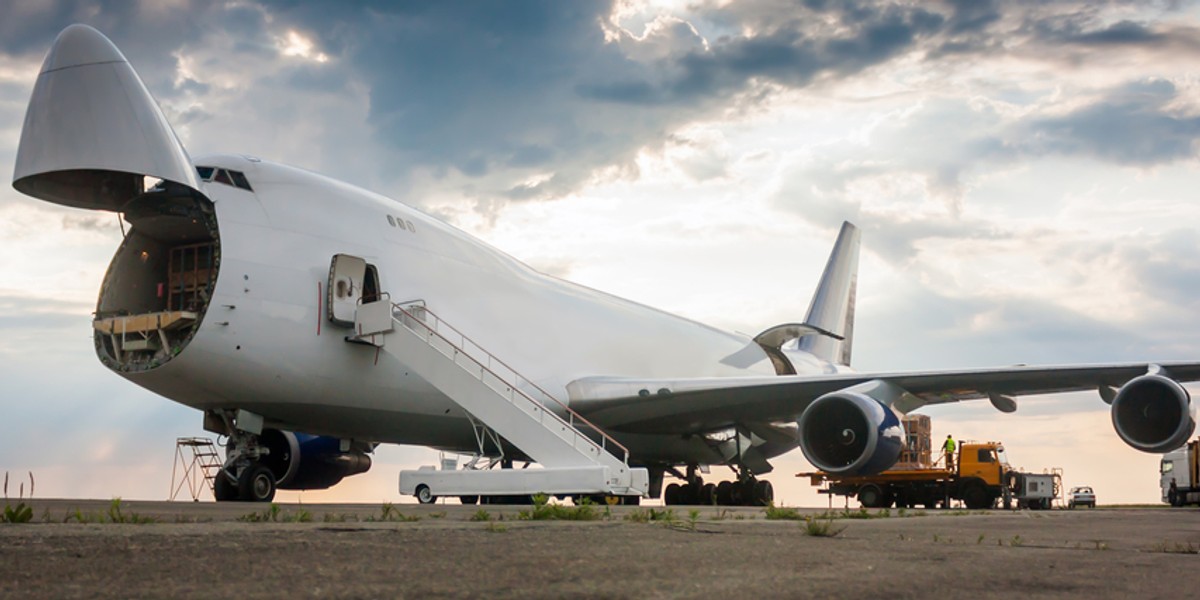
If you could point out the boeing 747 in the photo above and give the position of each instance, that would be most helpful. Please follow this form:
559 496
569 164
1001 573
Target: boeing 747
309 320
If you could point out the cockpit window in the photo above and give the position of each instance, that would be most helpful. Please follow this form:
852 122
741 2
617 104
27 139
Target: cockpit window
225 176
240 180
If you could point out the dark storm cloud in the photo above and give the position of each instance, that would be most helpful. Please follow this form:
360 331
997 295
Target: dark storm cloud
532 87
501 94
1082 29
1133 125
970 16
147 34
793 54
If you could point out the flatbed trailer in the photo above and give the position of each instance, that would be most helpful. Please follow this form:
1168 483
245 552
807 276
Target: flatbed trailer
978 484
982 477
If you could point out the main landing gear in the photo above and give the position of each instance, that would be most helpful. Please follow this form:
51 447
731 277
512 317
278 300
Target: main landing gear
746 490
244 477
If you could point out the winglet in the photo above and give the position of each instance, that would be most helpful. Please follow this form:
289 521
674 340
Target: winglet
832 307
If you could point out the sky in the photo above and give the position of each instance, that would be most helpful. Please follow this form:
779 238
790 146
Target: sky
1023 173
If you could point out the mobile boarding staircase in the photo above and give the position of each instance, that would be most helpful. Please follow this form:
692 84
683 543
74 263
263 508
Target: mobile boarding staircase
499 401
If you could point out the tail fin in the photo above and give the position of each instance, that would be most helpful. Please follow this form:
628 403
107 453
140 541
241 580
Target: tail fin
832 307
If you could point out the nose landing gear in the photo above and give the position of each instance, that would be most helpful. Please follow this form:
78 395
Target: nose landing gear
244 477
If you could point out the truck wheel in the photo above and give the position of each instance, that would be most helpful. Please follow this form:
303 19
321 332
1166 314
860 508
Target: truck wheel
976 496
870 496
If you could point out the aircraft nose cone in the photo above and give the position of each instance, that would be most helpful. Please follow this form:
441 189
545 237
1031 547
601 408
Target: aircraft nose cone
79 45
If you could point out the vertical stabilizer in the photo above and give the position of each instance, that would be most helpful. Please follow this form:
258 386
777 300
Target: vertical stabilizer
832 307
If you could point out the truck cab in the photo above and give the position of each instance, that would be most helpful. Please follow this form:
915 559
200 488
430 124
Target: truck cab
983 460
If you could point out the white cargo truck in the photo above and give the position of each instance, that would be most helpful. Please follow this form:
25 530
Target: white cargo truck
1180 475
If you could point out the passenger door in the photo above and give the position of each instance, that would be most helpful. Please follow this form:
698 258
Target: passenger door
346 275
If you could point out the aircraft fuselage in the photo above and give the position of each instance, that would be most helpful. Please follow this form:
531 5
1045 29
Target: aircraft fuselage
264 343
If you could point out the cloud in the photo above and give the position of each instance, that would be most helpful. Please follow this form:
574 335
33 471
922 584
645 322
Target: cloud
1133 125
487 97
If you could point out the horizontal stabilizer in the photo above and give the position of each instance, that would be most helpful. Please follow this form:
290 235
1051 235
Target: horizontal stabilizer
781 334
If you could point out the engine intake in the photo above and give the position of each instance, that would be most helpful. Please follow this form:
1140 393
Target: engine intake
301 461
850 432
1153 413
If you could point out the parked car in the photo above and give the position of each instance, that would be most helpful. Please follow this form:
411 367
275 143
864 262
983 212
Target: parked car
1082 496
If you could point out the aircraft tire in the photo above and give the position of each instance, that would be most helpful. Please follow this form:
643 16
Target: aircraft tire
224 490
764 493
725 493
671 494
256 484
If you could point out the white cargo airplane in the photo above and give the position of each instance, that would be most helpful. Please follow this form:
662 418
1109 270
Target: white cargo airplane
279 301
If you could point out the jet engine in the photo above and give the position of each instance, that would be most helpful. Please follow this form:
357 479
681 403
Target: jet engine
1153 413
852 431
301 461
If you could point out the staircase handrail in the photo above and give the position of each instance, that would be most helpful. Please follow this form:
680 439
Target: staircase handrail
572 415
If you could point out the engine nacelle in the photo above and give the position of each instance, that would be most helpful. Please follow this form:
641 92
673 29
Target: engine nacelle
1153 413
853 431
301 461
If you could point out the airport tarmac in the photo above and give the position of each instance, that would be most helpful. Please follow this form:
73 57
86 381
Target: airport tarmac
348 551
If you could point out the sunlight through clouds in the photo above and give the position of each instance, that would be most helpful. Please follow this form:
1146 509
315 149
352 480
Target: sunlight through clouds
297 45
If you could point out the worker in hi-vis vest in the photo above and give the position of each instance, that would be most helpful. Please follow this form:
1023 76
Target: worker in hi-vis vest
948 448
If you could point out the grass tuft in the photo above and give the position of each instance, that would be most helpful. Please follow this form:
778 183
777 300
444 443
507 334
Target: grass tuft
815 527
783 513
559 512
21 513
389 513
275 514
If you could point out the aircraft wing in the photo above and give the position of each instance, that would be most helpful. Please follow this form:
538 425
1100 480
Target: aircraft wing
707 404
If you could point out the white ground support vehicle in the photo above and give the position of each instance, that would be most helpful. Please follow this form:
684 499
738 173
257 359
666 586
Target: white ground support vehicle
1082 496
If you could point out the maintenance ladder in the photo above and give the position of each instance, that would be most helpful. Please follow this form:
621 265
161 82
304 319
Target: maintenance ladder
196 472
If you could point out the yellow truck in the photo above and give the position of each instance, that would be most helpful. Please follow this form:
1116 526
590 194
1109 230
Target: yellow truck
981 476
978 481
